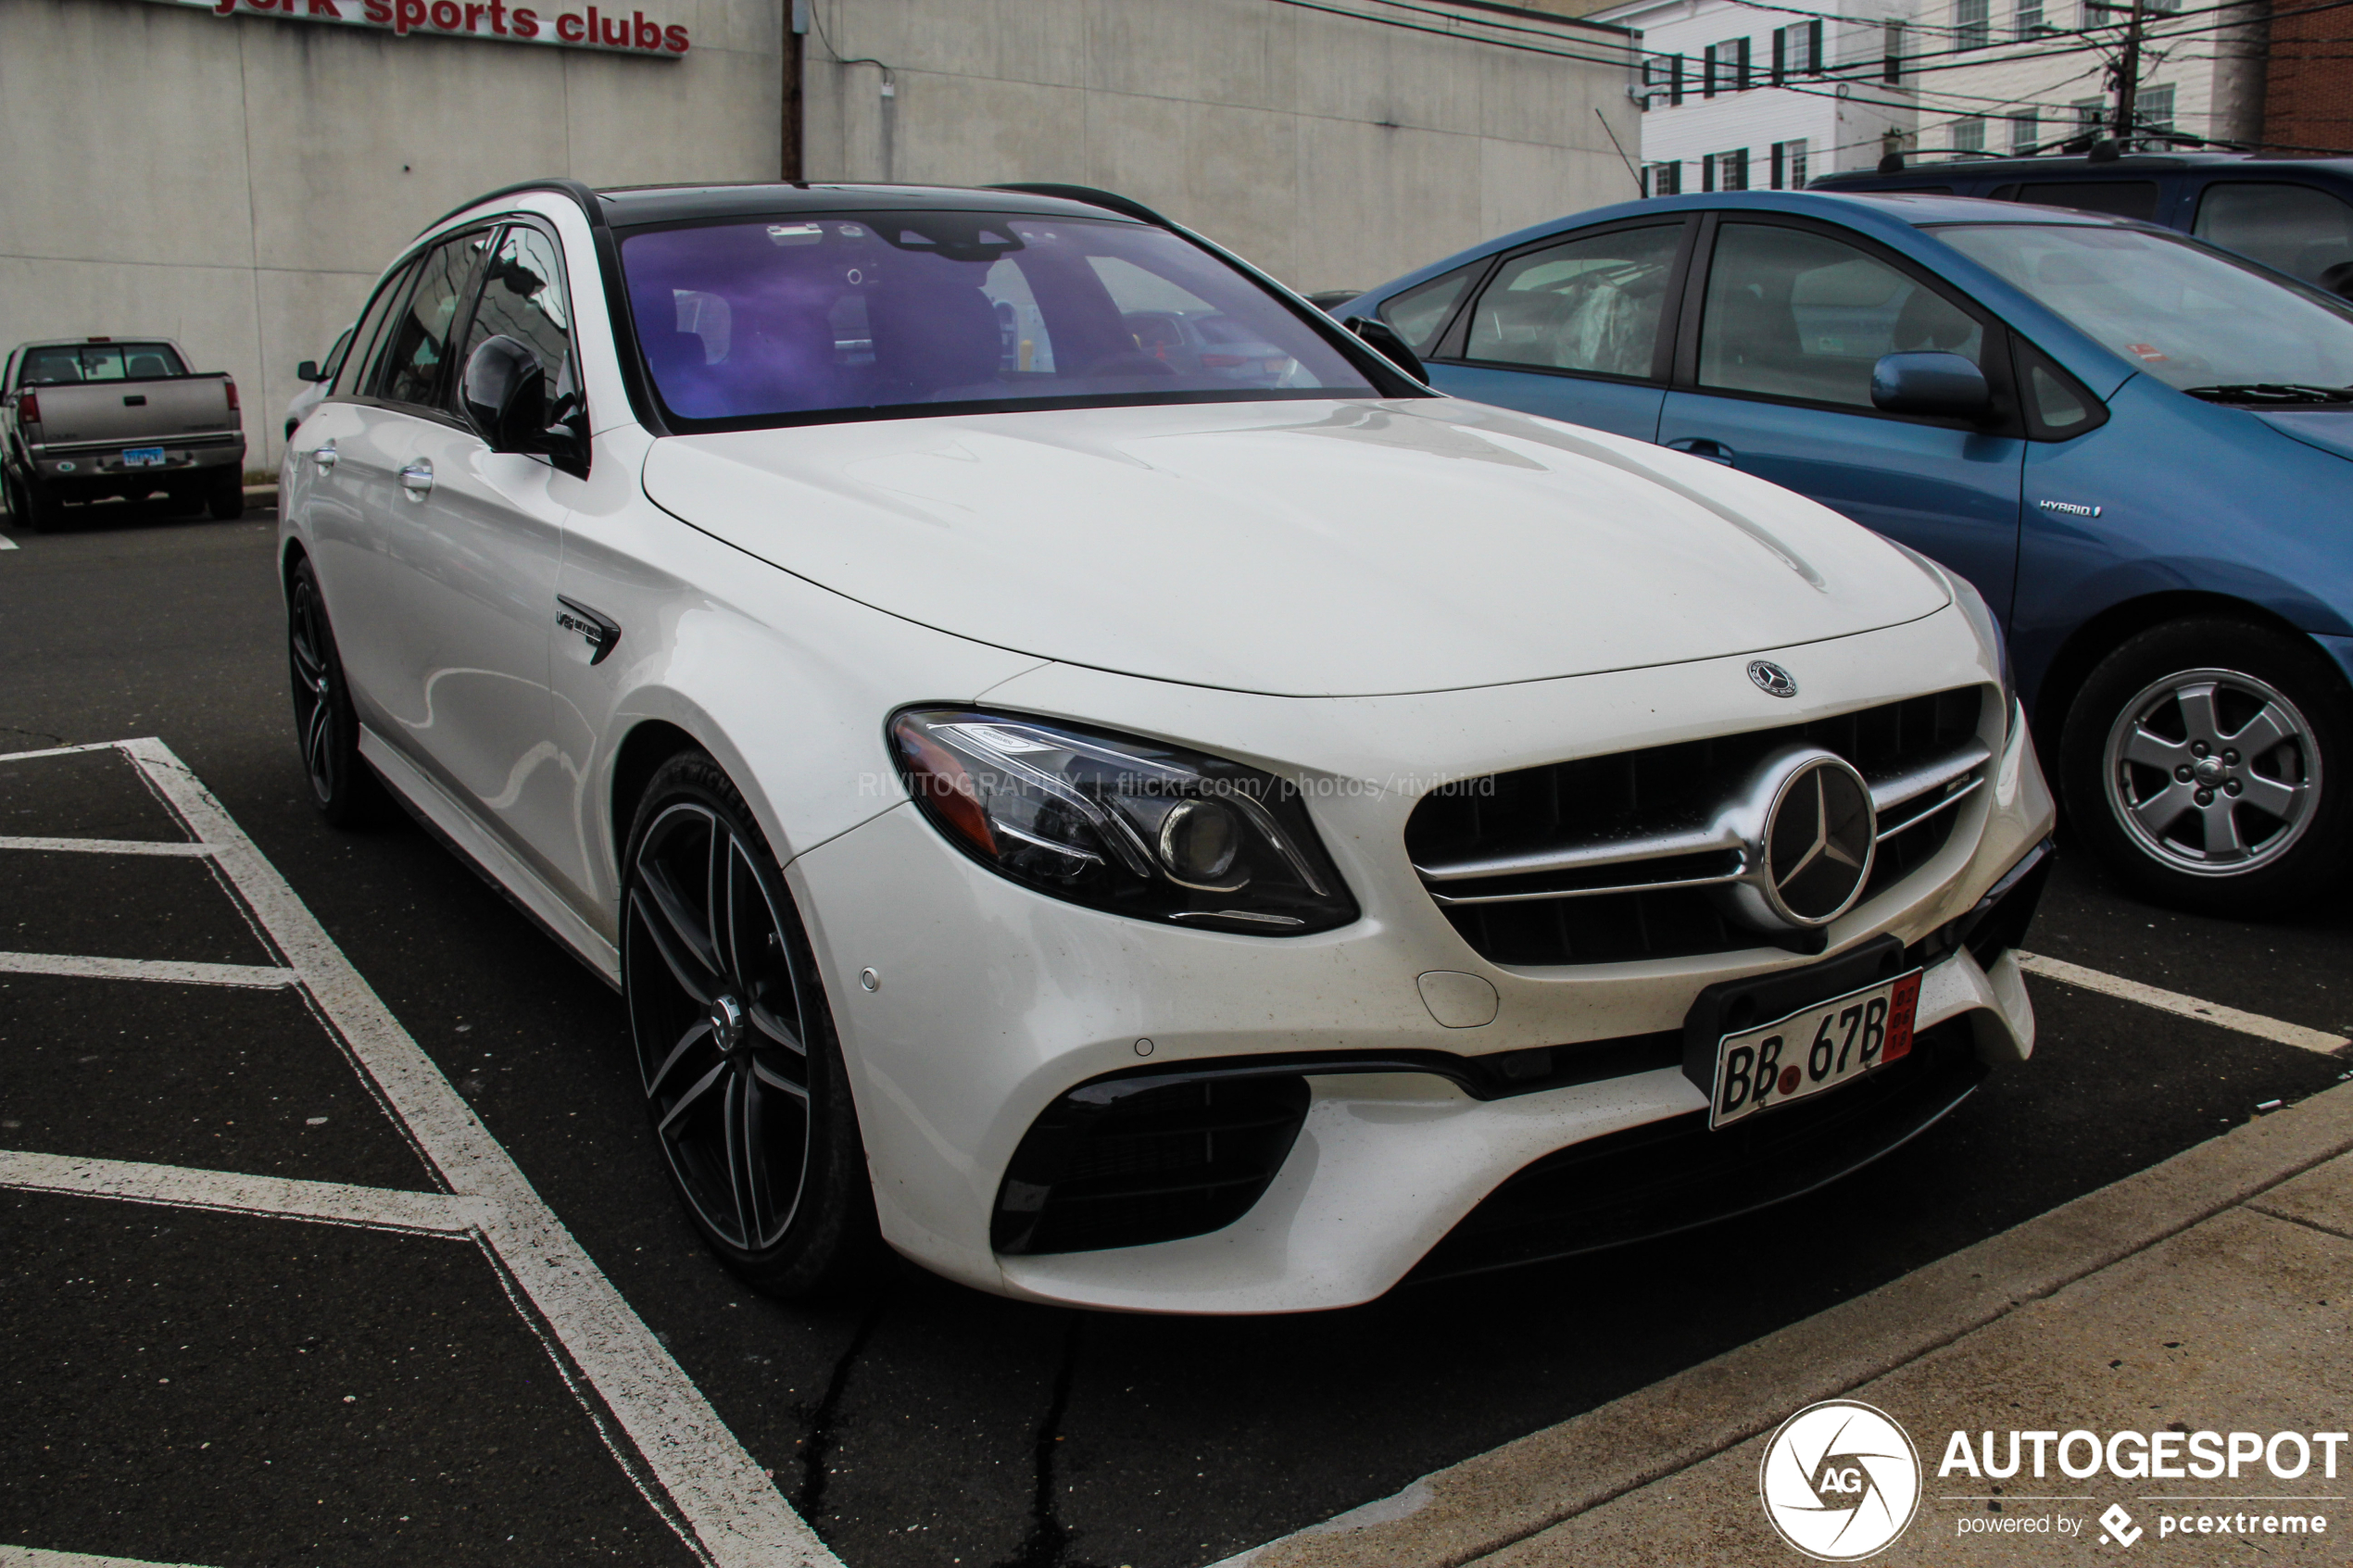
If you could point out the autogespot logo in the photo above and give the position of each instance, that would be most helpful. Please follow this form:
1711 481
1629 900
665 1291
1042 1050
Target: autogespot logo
1840 1481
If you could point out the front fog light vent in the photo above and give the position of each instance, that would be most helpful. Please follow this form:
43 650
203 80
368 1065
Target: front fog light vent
1123 1161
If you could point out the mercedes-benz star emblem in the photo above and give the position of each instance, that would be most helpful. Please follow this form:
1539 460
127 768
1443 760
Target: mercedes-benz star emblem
1819 843
1771 678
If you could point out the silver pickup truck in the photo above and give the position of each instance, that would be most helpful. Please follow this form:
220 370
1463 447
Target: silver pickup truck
85 418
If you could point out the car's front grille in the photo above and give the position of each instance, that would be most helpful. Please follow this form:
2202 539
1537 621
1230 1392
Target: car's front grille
1608 858
1119 1162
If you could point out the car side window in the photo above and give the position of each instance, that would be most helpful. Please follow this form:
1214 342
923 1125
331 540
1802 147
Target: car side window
1421 312
523 298
2303 232
1592 304
2119 198
418 344
1795 313
357 376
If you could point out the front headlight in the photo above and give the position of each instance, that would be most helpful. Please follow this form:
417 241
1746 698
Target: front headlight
1121 824
1989 632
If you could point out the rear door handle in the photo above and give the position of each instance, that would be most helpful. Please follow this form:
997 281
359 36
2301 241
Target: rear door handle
1701 446
417 478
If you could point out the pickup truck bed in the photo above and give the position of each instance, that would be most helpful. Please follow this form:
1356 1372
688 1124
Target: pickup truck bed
65 441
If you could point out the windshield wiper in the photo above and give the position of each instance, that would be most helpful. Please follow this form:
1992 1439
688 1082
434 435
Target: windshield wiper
2272 392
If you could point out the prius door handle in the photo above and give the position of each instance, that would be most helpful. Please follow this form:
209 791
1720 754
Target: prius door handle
417 478
325 458
1701 446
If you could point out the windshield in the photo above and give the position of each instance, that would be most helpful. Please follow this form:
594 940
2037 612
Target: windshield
100 361
791 321
2184 313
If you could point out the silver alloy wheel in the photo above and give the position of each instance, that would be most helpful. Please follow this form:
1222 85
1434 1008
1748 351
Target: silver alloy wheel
714 1006
313 677
2213 772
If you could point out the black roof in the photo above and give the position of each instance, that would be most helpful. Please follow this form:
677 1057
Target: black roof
2068 165
630 206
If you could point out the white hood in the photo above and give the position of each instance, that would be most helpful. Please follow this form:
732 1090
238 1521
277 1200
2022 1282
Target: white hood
1295 548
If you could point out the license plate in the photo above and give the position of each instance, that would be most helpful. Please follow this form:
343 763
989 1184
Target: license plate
1814 1050
143 458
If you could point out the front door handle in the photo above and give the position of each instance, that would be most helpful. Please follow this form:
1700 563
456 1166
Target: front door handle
325 458
417 479
1701 446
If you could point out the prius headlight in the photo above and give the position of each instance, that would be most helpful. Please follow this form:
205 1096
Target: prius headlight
1122 824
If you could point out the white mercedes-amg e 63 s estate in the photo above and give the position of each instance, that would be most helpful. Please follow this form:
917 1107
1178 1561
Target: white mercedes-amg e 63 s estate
1127 829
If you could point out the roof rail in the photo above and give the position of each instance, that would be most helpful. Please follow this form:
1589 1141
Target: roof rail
579 193
1110 201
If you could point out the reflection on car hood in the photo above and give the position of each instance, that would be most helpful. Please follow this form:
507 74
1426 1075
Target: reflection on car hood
2329 429
1296 548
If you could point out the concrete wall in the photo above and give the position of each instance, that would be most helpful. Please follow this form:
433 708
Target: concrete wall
1334 151
238 182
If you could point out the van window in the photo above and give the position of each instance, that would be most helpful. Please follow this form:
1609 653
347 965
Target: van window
2118 198
2303 232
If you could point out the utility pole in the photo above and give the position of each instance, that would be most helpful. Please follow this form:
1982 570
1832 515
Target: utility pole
2128 74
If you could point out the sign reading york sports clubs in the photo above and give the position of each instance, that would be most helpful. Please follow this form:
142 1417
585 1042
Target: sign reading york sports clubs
491 21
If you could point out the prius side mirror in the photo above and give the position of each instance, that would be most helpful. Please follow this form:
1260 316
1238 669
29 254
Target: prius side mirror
1380 335
1944 385
504 392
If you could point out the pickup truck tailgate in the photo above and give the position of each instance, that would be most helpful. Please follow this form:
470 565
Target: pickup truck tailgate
134 411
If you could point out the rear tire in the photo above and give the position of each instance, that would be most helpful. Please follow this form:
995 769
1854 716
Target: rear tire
2209 764
36 508
228 499
743 1075
326 730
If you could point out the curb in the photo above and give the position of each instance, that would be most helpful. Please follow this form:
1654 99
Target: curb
1492 1500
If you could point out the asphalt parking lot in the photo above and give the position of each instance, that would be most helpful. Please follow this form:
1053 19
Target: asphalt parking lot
213 1384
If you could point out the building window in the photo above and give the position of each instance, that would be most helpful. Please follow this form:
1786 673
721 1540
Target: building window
1663 180
1892 52
2028 19
2153 109
2091 114
2026 130
1662 74
1789 165
1971 27
1726 70
1797 51
1969 134
1724 171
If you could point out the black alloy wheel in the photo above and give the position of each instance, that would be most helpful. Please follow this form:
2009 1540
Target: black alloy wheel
325 728
2209 764
737 1054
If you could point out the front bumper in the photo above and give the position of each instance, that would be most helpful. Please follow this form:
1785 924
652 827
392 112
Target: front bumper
991 1003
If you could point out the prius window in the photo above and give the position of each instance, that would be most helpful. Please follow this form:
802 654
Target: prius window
1590 305
1799 315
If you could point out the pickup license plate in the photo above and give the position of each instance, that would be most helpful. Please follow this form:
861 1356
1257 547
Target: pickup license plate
1814 1050
143 457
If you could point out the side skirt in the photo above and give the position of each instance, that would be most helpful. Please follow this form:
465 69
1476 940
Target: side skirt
496 864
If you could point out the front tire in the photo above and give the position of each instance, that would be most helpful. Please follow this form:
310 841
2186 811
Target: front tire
341 787
741 1070
2209 764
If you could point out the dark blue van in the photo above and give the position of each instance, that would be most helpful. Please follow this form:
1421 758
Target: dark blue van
2137 446
2295 214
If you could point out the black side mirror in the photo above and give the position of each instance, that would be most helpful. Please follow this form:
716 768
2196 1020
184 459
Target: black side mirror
1946 385
505 394
1383 336
309 371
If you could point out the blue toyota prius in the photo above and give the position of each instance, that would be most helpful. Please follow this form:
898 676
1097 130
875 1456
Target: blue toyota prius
2138 448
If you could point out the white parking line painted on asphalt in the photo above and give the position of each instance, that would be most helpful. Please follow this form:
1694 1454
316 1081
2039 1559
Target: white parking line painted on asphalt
60 751
174 970
281 1197
106 845
737 1515
6 543
2273 1029
34 1557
